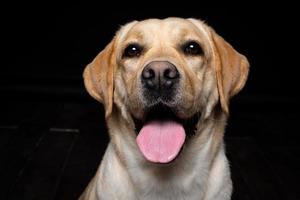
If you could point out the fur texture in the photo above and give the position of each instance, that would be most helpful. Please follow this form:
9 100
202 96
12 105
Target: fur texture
207 83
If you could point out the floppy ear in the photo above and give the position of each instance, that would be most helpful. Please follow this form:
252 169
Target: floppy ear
99 77
231 69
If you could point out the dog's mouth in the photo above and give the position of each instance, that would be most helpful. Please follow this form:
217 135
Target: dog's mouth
162 134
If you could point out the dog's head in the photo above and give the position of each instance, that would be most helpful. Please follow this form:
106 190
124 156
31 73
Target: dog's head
162 76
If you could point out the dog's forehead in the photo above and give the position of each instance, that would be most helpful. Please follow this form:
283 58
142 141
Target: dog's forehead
165 29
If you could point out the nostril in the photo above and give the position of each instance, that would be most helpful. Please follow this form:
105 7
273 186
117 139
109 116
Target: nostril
149 78
171 73
148 73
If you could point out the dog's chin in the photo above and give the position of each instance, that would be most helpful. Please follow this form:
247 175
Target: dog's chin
162 133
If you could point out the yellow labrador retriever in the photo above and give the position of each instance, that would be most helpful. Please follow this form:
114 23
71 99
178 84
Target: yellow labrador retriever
165 85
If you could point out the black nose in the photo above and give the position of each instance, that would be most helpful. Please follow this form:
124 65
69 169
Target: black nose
160 75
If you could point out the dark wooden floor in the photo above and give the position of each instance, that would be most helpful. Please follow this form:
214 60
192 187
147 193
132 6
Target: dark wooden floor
50 150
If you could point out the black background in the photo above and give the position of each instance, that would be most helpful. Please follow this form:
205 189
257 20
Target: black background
49 45
45 48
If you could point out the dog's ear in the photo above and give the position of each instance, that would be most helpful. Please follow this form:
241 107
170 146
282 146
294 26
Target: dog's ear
231 69
99 77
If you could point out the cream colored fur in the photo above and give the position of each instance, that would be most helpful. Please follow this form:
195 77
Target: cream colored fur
201 171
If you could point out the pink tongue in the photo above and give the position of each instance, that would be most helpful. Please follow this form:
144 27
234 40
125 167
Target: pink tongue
161 141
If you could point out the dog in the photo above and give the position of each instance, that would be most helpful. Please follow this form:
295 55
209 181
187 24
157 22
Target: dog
165 85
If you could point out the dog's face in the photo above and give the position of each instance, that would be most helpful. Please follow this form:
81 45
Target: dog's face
165 63
165 73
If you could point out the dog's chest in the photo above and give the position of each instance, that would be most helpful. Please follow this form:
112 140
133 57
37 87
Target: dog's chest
171 192
177 187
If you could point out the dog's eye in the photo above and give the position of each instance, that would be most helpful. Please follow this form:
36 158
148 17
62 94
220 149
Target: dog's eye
192 48
132 50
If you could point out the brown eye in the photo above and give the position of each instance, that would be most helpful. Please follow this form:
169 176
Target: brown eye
132 50
192 48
